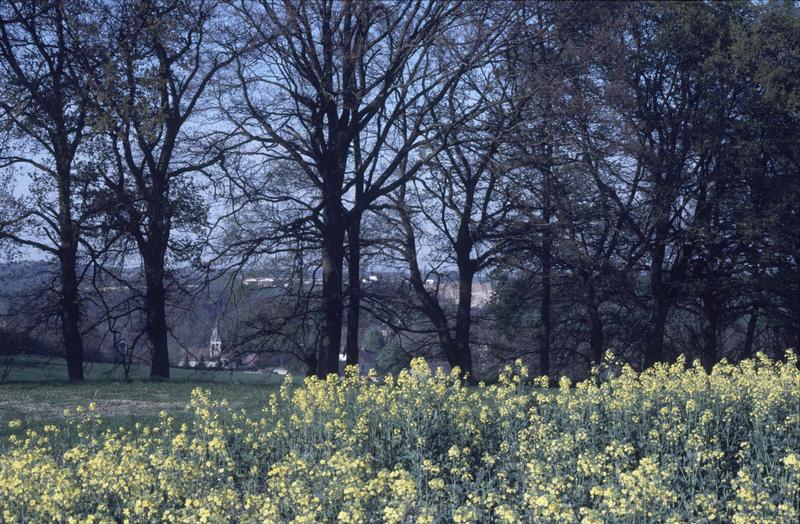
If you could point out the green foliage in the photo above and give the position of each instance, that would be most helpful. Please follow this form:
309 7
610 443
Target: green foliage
392 358
373 340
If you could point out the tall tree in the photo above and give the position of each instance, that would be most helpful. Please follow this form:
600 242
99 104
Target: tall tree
460 204
766 55
540 67
333 76
664 89
43 103
162 59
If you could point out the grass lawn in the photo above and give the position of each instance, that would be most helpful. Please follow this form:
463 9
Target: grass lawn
36 391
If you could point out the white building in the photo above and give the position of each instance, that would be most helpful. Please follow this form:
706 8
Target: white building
210 356
215 344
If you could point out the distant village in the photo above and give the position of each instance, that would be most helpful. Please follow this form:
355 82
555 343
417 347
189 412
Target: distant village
213 355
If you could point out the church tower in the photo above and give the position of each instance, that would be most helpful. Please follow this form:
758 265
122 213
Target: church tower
215 345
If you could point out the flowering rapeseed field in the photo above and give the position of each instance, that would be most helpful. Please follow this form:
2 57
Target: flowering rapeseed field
672 444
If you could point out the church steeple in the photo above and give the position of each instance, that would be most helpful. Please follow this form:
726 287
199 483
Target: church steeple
215 345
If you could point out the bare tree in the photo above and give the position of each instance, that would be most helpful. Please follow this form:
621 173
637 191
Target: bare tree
325 93
44 47
667 101
461 206
162 59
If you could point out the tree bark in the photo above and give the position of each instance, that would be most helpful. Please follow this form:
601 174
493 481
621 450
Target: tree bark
448 344
464 323
654 345
311 365
658 309
710 328
332 305
354 291
749 336
70 316
596 337
156 319
67 255
796 340
545 335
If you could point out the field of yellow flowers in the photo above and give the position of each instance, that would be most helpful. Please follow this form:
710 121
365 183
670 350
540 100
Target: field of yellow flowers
672 444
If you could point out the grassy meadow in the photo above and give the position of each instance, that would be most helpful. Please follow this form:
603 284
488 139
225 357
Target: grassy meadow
36 390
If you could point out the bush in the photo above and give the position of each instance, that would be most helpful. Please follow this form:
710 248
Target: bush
392 358
672 444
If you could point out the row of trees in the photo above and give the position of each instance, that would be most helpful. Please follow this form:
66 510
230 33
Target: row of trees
625 174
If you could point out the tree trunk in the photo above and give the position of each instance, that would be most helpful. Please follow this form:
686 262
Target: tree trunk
796 340
446 340
354 290
430 304
311 365
710 328
70 300
332 305
596 338
545 335
464 321
156 318
70 315
749 336
654 344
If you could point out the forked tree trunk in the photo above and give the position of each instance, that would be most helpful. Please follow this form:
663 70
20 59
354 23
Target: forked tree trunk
457 355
